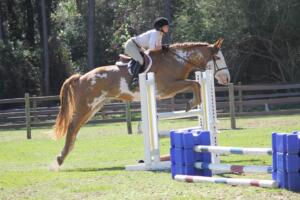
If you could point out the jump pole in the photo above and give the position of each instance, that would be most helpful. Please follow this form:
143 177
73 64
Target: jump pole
227 168
233 150
230 181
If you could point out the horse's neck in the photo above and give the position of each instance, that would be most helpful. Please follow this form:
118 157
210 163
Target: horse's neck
172 63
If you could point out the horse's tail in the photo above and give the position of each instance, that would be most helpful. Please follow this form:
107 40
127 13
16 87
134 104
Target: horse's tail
67 98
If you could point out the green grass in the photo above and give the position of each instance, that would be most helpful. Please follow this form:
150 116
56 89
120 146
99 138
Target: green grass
95 168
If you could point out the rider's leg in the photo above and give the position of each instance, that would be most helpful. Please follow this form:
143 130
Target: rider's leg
132 50
135 77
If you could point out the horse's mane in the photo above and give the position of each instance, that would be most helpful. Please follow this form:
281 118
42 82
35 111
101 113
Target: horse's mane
186 45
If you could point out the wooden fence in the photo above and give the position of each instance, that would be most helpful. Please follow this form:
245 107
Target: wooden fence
232 100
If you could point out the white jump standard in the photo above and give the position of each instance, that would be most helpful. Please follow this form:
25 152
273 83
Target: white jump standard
206 114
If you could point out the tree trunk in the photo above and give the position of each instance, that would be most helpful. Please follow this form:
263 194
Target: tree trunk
147 15
91 21
45 48
30 22
2 35
168 15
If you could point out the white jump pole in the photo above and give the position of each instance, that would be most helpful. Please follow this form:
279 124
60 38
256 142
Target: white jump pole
233 150
230 181
227 168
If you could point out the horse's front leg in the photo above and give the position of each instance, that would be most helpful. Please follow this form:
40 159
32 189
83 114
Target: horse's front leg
185 85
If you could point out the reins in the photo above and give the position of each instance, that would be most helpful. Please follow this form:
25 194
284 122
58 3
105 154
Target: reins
216 67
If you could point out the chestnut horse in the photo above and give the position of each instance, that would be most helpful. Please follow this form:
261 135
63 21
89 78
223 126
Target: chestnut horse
81 96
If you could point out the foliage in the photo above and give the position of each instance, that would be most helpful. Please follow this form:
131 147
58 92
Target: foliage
18 70
262 37
71 30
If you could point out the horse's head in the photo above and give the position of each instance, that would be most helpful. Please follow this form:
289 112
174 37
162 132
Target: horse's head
201 56
218 63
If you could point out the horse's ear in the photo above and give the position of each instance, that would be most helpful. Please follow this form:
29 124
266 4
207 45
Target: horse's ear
217 45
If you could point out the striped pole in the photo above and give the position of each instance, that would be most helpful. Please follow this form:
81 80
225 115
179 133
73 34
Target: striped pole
233 150
230 181
234 168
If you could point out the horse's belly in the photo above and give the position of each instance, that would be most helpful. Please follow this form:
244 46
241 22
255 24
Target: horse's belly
130 96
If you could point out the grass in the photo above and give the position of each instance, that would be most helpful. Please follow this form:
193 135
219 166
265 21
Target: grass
95 168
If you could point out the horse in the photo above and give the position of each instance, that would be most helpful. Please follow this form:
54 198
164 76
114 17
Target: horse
81 96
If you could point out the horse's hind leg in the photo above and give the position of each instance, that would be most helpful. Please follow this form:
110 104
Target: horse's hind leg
79 119
73 129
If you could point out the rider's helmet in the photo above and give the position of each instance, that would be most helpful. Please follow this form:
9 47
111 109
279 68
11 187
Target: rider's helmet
160 22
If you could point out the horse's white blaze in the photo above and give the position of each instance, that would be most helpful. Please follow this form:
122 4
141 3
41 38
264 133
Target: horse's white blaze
97 100
124 89
223 76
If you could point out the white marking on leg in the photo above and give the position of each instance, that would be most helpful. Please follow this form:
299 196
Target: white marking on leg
97 100
96 109
124 89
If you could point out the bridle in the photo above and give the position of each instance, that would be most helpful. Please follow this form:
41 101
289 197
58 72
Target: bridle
216 67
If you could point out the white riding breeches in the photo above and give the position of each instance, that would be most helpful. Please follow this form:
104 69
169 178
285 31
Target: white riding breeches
132 50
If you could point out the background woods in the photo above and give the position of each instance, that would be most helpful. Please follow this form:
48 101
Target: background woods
43 42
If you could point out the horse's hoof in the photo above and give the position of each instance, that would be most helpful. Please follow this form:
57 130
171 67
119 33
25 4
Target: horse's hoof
59 160
187 107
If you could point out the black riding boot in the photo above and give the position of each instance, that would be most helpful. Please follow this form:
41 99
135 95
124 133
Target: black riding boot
135 76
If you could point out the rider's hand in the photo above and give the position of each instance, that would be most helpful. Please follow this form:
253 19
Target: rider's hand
165 47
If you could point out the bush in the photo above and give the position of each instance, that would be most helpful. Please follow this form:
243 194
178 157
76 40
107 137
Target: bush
18 70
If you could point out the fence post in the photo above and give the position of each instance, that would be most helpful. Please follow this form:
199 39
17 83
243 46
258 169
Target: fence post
173 104
232 106
27 115
34 109
240 92
128 117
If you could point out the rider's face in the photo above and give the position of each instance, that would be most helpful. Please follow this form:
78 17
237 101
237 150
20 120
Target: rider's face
165 28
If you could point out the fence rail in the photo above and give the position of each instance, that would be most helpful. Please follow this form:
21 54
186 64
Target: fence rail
232 101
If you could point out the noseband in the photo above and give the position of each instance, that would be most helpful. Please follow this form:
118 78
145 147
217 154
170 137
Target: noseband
216 67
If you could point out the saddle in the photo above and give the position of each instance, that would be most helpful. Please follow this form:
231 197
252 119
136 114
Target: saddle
126 61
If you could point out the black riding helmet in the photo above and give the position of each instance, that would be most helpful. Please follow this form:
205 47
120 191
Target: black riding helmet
160 22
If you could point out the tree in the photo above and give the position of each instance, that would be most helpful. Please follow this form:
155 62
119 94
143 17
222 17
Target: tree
91 22
2 34
30 22
45 48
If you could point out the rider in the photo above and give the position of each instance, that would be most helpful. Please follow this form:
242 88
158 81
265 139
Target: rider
150 40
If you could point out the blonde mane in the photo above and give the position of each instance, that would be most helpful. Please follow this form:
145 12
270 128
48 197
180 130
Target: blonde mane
186 45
